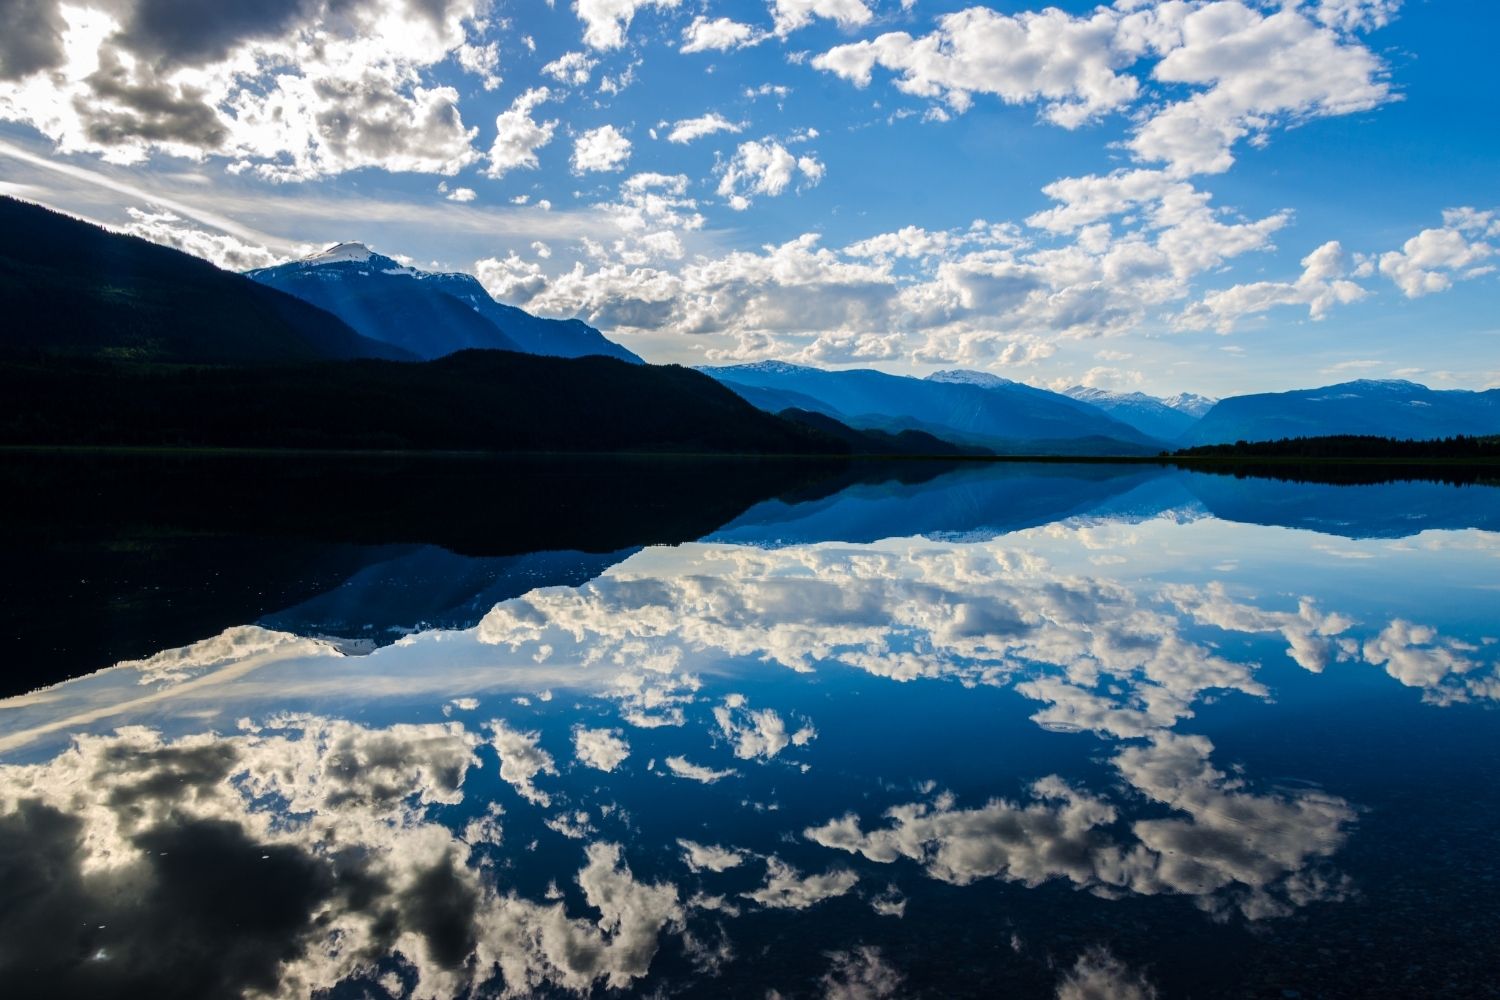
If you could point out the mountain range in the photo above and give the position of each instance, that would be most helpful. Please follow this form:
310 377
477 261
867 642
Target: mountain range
71 289
972 408
1393 408
425 313
1163 419
111 339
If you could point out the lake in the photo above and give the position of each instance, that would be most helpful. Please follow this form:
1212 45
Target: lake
399 729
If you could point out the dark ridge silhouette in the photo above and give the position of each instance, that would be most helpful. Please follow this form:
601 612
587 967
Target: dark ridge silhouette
72 289
472 400
114 557
1459 446
878 442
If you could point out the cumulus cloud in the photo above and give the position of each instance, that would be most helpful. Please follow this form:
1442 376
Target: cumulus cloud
1309 633
688 129
709 857
861 974
221 249
974 296
1069 63
790 15
1447 670
601 749
719 34
1431 260
601 149
334 821
605 22
288 91
684 768
571 68
1099 975
764 168
786 888
518 136
1228 847
1322 285
1251 69
757 733
521 760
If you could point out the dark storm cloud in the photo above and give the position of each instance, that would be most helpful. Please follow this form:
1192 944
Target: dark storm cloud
30 37
204 31
205 912
146 108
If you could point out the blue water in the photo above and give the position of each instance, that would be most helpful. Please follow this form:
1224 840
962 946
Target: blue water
1008 731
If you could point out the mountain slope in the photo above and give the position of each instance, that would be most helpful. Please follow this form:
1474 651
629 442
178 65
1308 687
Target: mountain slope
471 400
428 314
990 412
1146 414
73 289
1394 409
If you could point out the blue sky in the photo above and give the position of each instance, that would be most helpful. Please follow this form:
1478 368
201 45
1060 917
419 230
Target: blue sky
1192 195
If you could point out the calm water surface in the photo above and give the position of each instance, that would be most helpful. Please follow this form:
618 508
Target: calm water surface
1019 731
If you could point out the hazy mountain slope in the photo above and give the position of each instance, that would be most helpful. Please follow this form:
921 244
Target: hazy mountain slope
71 288
1395 409
382 299
563 338
429 314
1147 414
1002 415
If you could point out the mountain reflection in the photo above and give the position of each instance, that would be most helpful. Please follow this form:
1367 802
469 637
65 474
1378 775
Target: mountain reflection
767 761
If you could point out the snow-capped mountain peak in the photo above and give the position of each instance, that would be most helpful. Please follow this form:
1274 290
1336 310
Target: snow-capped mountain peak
960 376
341 253
1190 403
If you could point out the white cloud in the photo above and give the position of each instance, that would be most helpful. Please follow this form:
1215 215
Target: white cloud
1069 63
1099 975
1447 670
521 760
1260 69
518 136
221 249
462 194
719 35
1431 260
286 91
861 974
601 149
606 21
786 888
316 803
601 749
757 733
571 68
763 168
790 15
1254 70
1322 285
688 129
710 857
684 768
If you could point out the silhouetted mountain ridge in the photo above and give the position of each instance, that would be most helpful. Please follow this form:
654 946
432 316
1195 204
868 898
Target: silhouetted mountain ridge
72 289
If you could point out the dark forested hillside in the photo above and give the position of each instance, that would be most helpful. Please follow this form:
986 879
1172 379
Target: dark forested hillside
472 400
72 289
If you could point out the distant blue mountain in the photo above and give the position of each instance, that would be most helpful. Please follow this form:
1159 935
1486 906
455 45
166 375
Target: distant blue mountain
1394 409
1164 419
428 314
966 407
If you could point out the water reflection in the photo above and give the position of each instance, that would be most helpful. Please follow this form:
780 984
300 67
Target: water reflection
799 757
